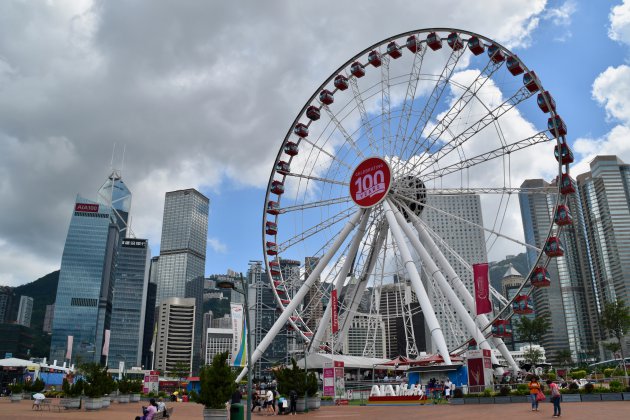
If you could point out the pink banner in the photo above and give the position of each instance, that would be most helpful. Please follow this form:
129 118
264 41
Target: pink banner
482 288
334 318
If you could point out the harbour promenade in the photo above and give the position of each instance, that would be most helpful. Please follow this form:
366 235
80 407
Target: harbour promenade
184 411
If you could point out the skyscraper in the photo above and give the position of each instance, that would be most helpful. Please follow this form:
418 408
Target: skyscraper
6 299
314 309
128 306
86 279
25 311
48 317
564 302
183 243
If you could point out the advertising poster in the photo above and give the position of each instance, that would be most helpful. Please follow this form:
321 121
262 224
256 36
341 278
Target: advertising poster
329 380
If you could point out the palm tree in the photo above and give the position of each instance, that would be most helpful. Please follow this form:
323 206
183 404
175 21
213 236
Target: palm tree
564 358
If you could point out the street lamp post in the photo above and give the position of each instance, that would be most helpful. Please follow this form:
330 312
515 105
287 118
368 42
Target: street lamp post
228 284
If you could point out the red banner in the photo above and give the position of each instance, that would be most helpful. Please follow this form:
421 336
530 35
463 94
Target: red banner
334 319
482 288
476 376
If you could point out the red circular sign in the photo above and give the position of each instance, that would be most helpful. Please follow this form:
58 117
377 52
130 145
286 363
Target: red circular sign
370 182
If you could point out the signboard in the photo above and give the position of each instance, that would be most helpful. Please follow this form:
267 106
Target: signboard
85 207
370 182
340 383
482 289
239 336
134 243
329 380
480 373
151 382
335 316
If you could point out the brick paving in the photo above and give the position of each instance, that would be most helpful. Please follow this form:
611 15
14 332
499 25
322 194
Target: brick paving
609 410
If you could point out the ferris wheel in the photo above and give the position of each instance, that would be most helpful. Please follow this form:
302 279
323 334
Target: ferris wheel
405 167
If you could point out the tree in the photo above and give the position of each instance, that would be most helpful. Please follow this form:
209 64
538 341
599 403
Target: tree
564 358
532 330
180 370
217 382
532 355
615 318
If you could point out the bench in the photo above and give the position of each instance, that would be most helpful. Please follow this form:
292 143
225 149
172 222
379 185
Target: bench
160 414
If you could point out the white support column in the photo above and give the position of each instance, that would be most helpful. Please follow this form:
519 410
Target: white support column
341 277
457 283
414 276
351 304
446 289
299 296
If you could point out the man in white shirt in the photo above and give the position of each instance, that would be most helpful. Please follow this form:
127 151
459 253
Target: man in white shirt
269 401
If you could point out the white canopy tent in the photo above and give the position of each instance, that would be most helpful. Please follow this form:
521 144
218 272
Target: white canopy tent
319 361
14 362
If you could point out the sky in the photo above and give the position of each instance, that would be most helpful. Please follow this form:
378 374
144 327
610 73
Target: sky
200 94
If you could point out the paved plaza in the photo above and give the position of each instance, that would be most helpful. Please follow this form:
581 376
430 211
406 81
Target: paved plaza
184 411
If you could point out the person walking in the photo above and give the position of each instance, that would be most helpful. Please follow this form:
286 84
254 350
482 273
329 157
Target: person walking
269 403
292 402
534 389
555 397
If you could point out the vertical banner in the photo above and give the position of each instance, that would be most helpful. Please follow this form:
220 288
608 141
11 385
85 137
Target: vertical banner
106 343
69 347
334 318
239 336
329 380
482 288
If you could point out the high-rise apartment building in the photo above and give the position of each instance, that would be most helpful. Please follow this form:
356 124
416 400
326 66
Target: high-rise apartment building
194 289
313 300
128 306
463 238
86 279
6 299
25 311
510 284
48 318
175 333
183 242
564 302
604 194
354 342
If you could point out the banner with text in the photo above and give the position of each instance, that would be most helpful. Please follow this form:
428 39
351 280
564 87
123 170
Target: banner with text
69 347
335 315
239 336
482 288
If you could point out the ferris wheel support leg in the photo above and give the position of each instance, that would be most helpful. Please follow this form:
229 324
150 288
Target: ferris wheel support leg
414 276
341 277
461 288
299 296
441 281
355 294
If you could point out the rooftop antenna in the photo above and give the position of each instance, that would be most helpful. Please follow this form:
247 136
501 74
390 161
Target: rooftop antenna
111 163
122 164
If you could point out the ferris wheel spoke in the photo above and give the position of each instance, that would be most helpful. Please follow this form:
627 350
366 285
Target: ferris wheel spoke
497 153
489 118
317 178
406 200
365 120
412 86
327 153
344 132
320 227
458 106
314 204
432 102
482 190
386 112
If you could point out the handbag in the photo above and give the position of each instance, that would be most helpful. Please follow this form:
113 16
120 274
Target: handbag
540 396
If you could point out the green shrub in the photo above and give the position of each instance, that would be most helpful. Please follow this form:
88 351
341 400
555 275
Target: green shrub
615 386
589 388
578 374
608 372
551 376
16 388
458 393
38 385
487 393
522 389
217 382
505 391
573 388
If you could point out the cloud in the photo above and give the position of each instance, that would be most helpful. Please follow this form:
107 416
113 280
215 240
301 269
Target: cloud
217 246
199 93
620 23
611 90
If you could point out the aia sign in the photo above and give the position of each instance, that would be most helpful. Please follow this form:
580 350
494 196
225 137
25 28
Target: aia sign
90 208
370 182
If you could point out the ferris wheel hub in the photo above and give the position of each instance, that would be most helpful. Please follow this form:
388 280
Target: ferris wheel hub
412 192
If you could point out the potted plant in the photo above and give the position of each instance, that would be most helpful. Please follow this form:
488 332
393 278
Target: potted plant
135 389
16 392
93 394
97 385
293 379
124 386
72 393
217 382
109 388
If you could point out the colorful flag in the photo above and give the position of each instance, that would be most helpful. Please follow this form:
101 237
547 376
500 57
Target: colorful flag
69 347
482 288
106 344
239 336
334 319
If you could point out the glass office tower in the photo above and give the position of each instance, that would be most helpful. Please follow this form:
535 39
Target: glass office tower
128 306
83 304
183 243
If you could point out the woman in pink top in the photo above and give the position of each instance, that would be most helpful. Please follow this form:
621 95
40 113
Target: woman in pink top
555 397
150 411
